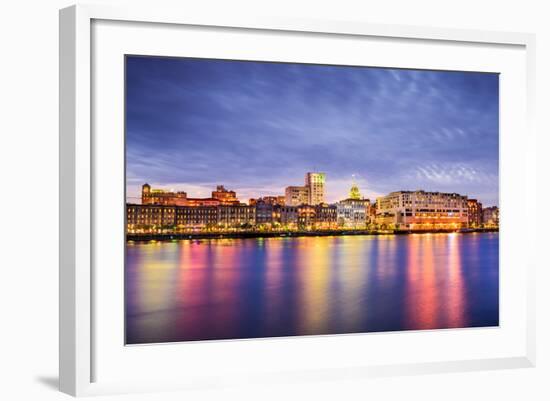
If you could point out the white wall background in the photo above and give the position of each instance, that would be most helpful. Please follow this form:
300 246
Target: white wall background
28 173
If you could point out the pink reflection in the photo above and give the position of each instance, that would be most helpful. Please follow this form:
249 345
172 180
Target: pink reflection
193 274
422 289
208 294
455 297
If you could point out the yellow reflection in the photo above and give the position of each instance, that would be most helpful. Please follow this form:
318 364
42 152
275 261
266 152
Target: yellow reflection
193 275
314 265
157 277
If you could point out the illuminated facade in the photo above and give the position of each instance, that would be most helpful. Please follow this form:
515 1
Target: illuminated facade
196 217
475 213
236 216
150 217
167 211
372 212
153 218
276 216
224 196
288 216
271 200
420 210
315 182
265 213
296 196
317 217
220 196
491 217
353 213
354 193
312 193
160 197
202 202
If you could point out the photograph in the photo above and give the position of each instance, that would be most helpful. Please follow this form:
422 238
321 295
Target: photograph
273 199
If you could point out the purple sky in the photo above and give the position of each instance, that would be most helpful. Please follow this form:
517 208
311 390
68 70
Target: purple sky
258 127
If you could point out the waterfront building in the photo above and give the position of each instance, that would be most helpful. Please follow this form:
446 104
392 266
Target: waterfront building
161 197
224 196
296 196
312 217
315 183
353 213
421 210
491 217
147 218
196 217
287 216
264 213
158 218
236 216
475 213
372 212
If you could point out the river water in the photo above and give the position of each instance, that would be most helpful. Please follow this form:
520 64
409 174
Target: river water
247 288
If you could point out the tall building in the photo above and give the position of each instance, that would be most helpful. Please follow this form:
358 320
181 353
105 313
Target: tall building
312 193
296 196
475 213
315 182
420 210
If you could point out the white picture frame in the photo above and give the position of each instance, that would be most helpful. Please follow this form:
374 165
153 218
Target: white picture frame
78 313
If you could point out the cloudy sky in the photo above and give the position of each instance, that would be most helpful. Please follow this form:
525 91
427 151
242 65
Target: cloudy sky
258 127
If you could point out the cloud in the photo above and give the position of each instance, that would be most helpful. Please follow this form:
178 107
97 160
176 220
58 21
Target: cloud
258 127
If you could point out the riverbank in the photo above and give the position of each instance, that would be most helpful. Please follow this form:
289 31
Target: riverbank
283 234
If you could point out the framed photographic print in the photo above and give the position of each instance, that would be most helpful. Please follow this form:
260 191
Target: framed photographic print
293 199
320 257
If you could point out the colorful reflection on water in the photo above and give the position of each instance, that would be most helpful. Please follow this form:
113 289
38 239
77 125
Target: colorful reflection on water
246 288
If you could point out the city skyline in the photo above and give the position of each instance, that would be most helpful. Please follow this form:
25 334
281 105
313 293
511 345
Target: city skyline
353 187
255 127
